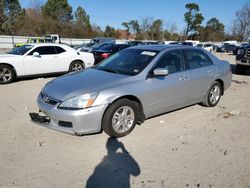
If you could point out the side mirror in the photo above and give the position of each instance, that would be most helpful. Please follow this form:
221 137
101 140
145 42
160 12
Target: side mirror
36 54
161 72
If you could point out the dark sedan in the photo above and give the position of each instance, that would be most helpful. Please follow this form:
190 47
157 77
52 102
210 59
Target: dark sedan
106 51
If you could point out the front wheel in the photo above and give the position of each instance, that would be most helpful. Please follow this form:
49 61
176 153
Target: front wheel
76 66
7 74
213 95
120 118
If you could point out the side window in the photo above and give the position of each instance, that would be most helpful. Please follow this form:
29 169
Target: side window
44 50
59 50
197 59
173 61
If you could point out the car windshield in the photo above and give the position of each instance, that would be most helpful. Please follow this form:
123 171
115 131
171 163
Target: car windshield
21 50
200 45
129 62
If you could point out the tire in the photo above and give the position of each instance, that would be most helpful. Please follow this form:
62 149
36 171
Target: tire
111 120
7 74
76 66
240 69
213 95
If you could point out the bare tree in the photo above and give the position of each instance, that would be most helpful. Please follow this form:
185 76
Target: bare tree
241 25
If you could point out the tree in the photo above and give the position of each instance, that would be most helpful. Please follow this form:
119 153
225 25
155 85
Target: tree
58 10
132 27
193 18
2 15
156 30
145 27
11 13
214 30
83 19
241 26
110 32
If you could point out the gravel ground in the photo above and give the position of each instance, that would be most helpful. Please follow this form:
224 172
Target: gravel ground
191 147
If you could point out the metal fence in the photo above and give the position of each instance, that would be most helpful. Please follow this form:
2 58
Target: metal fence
7 41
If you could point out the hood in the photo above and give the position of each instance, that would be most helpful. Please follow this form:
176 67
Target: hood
8 56
83 82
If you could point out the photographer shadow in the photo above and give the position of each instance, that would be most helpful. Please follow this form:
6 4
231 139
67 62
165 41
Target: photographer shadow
115 168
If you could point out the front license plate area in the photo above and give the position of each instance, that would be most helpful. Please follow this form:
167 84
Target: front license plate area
38 118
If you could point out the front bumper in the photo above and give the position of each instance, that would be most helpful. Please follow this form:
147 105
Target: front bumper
86 121
243 61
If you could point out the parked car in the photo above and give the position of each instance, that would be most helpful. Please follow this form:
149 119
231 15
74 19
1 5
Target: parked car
135 43
96 42
41 59
206 46
243 59
106 51
31 40
220 48
132 85
230 48
181 43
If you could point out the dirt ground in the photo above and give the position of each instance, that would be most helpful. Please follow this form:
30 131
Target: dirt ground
191 147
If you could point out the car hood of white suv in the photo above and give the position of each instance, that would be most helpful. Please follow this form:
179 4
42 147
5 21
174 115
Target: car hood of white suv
83 82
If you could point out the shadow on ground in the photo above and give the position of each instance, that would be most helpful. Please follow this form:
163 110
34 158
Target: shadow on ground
115 169
233 67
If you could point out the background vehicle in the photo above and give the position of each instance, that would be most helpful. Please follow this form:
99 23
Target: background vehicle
54 38
220 48
96 42
243 59
41 59
135 43
131 86
107 50
32 40
182 43
230 48
206 46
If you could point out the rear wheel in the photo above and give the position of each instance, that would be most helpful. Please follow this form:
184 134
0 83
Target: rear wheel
7 74
213 95
120 118
76 66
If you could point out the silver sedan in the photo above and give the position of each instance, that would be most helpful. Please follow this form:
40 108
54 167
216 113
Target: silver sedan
131 86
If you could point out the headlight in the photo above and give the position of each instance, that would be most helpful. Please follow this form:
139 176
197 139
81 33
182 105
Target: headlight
78 102
241 51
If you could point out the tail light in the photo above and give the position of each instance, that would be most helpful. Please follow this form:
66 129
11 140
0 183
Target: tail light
105 55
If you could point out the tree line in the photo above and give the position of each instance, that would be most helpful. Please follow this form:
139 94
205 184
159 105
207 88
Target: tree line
57 16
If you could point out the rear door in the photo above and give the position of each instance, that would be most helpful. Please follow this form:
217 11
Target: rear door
202 73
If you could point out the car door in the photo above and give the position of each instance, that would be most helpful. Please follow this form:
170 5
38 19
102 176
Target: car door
164 93
202 72
45 62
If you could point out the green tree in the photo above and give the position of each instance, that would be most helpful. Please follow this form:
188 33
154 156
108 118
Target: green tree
110 32
132 27
193 18
59 10
83 19
156 30
214 30
11 13
2 16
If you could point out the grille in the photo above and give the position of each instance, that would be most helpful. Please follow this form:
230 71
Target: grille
248 52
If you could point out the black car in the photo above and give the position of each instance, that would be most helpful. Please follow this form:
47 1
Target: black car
106 51
135 43
243 59
220 48
230 48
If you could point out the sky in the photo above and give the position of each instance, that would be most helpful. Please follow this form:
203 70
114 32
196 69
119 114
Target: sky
114 12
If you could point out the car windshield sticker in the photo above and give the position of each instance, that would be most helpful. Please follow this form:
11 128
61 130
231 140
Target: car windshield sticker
148 53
